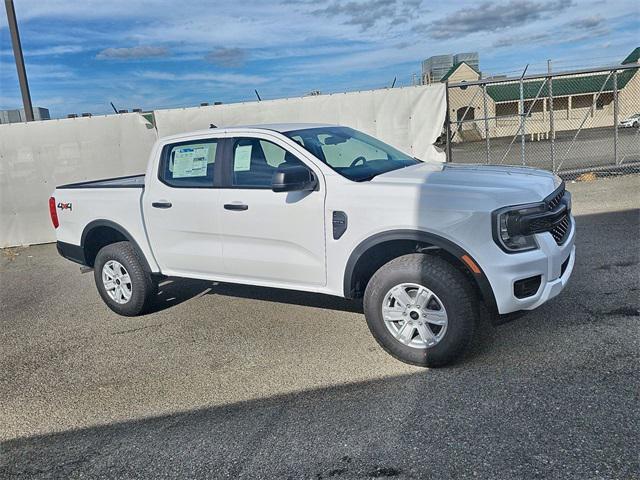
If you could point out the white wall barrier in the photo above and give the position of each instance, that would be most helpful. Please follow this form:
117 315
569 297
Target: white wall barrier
409 118
35 157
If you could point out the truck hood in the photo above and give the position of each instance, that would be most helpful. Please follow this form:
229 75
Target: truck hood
511 184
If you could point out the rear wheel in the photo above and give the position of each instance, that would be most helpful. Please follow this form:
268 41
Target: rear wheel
421 310
122 281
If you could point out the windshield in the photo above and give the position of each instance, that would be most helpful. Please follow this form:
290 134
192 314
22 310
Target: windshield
352 154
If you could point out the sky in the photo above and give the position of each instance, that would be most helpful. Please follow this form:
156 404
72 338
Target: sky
81 55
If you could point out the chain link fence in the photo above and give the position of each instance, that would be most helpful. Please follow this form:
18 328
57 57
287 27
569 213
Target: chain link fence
570 123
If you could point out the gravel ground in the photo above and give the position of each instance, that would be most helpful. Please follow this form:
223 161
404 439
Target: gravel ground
233 382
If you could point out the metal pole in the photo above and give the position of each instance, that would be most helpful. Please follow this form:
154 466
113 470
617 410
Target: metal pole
615 116
522 115
447 122
552 130
17 53
486 123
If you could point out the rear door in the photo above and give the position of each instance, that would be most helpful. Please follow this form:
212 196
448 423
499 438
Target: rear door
269 237
182 209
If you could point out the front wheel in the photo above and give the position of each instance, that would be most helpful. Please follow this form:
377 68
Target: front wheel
421 310
122 281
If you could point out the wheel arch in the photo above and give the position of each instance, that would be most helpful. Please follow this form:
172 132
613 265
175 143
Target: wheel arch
100 233
385 246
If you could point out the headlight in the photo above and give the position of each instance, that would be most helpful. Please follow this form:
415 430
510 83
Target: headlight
508 228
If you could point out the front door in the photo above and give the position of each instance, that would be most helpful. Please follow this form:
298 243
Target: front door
269 237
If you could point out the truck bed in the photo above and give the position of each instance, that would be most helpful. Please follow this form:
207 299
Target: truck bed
131 181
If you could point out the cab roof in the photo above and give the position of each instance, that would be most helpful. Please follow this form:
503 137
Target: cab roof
274 127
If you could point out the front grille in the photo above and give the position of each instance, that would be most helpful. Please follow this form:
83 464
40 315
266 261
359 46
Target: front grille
561 231
555 201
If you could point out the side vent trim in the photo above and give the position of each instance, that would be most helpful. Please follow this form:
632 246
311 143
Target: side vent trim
340 223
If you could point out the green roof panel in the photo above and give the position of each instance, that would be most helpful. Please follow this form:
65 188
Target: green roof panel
509 92
633 57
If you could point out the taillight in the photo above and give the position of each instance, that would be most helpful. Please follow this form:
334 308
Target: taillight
53 212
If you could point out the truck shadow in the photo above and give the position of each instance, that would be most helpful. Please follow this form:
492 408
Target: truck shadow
174 291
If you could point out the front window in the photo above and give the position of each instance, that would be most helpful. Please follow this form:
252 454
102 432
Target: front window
352 154
256 160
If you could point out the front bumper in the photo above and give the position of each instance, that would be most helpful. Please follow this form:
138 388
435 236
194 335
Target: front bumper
547 261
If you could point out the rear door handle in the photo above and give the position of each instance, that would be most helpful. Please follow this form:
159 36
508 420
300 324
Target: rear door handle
161 204
236 206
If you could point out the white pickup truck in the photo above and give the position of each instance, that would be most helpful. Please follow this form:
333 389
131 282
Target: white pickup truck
327 209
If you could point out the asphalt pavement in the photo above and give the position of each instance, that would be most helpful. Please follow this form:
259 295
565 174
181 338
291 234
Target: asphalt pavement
225 381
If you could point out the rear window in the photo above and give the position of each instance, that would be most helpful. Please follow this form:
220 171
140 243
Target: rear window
189 164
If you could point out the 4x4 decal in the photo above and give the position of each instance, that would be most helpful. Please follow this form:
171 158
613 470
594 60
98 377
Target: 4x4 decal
65 206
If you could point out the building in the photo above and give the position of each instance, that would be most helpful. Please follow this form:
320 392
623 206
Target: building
586 99
435 68
18 115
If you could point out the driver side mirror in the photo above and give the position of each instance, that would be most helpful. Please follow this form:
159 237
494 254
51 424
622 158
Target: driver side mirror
293 179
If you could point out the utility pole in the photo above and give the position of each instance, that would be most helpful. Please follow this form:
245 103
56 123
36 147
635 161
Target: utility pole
17 53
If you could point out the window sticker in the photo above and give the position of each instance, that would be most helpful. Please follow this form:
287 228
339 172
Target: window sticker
242 158
190 162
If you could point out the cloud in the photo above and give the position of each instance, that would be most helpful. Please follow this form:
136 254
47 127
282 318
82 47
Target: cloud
221 78
366 14
587 23
572 31
522 40
491 17
37 71
47 51
130 53
227 57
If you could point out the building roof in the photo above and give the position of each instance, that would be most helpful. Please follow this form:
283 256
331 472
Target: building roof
564 86
633 57
454 68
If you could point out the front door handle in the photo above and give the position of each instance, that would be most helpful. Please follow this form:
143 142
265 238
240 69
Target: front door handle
161 204
236 206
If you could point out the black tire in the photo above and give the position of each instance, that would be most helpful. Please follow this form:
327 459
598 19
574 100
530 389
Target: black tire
143 286
448 284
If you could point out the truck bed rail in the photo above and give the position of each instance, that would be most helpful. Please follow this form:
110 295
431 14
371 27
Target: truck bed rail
130 181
